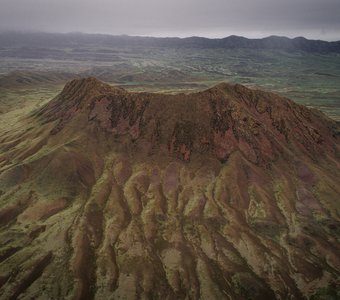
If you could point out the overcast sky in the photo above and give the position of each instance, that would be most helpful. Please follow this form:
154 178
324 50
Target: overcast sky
210 18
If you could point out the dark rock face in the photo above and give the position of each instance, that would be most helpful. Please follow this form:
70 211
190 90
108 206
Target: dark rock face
229 193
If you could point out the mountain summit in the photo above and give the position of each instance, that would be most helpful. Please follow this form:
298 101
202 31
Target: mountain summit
228 193
217 122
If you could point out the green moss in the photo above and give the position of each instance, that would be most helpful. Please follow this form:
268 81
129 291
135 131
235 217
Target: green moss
249 287
331 292
273 231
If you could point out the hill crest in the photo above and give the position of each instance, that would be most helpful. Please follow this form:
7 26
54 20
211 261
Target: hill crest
217 121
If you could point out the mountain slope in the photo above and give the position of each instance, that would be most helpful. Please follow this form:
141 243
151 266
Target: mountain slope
229 193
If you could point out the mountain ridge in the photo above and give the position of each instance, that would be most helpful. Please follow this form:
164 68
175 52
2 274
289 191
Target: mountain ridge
241 113
59 40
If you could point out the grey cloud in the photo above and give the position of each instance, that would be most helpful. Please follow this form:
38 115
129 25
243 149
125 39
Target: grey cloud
311 18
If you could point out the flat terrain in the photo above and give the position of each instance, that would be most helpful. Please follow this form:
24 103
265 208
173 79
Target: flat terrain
28 74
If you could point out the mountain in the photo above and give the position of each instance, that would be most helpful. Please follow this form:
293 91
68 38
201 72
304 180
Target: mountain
228 193
29 41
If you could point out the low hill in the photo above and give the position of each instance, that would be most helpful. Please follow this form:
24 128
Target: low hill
26 78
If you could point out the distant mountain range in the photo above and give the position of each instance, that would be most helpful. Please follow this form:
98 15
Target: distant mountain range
57 40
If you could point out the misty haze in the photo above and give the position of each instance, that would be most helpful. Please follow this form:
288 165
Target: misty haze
169 149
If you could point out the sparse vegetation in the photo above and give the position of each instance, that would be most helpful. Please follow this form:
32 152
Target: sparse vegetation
225 193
